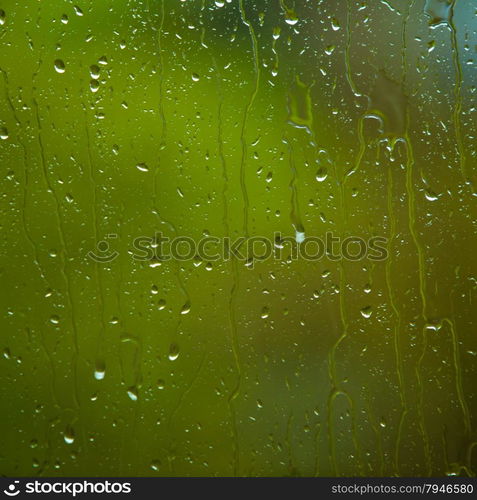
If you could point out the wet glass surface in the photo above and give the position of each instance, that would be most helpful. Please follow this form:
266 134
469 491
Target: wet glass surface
124 121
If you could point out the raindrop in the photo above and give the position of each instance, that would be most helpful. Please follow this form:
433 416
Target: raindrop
265 313
173 352
94 85
430 195
142 167
155 464
3 133
335 24
291 18
69 435
94 71
59 66
99 371
54 319
185 308
132 393
322 174
366 312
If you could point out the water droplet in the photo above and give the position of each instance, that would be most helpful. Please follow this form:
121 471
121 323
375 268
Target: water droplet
54 319
265 313
173 352
185 308
299 236
155 464
366 312
335 24
142 167
3 133
161 384
132 393
2 16
322 174
59 66
69 435
195 77
430 195
100 370
291 18
94 71
161 304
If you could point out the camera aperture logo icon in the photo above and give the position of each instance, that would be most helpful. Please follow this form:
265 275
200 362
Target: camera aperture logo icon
12 490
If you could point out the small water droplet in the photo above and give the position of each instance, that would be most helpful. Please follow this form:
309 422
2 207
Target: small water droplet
185 308
291 18
173 352
69 435
300 236
132 393
366 312
155 464
265 313
100 370
142 167
322 174
430 195
335 24
54 319
59 66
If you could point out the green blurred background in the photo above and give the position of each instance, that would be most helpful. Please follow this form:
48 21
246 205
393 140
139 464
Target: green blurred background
244 118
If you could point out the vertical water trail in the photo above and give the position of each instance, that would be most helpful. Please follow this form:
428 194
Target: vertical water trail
356 93
335 386
155 202
96 232
64 271
458 378
422 288
295 216
458 96
235 275
28 236
397 317
248 107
